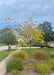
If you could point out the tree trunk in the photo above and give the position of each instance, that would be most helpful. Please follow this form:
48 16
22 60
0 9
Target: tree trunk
30 50
9 47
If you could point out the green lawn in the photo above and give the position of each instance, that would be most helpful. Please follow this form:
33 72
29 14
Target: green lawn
4 54
47 50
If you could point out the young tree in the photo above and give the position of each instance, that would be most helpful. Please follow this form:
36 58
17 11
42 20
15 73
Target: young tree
30 33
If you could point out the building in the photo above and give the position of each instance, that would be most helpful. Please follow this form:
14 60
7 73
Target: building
51 43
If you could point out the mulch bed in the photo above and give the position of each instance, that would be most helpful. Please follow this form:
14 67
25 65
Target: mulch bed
32 71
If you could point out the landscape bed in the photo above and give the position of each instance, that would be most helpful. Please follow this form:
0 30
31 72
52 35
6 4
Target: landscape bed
25 71
33 66
28 70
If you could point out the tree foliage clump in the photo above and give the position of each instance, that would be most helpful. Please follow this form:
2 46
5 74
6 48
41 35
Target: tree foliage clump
7 36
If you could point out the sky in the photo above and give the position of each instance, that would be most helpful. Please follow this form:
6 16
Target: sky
39 10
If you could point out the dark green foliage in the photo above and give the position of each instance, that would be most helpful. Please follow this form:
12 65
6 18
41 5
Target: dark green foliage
46 27
7 38
14 64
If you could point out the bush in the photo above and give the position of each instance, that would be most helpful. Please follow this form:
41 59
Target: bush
43 68
51 63
42 46
21 54
39 55
15 64
28 67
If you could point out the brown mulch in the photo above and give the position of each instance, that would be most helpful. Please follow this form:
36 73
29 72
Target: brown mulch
32 71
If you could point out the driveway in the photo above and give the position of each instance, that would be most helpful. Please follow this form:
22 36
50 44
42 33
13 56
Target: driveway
2 48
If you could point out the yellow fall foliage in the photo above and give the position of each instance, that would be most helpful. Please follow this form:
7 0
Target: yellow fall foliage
31 31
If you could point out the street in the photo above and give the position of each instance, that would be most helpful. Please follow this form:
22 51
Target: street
2 48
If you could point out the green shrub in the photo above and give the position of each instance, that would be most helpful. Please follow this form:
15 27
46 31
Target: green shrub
39 55
28 67
51 63
42 46
43 68
14 63
21 54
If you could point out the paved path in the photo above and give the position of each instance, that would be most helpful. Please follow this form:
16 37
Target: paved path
29 47
52 73
2 48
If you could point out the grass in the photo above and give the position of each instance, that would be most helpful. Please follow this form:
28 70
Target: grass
4 54
47 50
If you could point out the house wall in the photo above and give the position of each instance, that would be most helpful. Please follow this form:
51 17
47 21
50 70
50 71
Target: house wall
52 44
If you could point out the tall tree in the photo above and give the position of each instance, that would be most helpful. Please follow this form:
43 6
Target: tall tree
46 27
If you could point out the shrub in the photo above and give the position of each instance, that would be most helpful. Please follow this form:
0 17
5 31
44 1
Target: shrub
21 54
42 46
14 64
51 63
28 67
39 55
43 68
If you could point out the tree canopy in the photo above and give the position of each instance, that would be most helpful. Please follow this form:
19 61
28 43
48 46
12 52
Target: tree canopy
7 36
30 33
46 27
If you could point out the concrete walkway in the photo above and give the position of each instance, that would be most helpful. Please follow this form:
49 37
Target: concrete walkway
3 64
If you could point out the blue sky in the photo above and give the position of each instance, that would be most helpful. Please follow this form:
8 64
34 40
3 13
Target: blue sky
40 10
